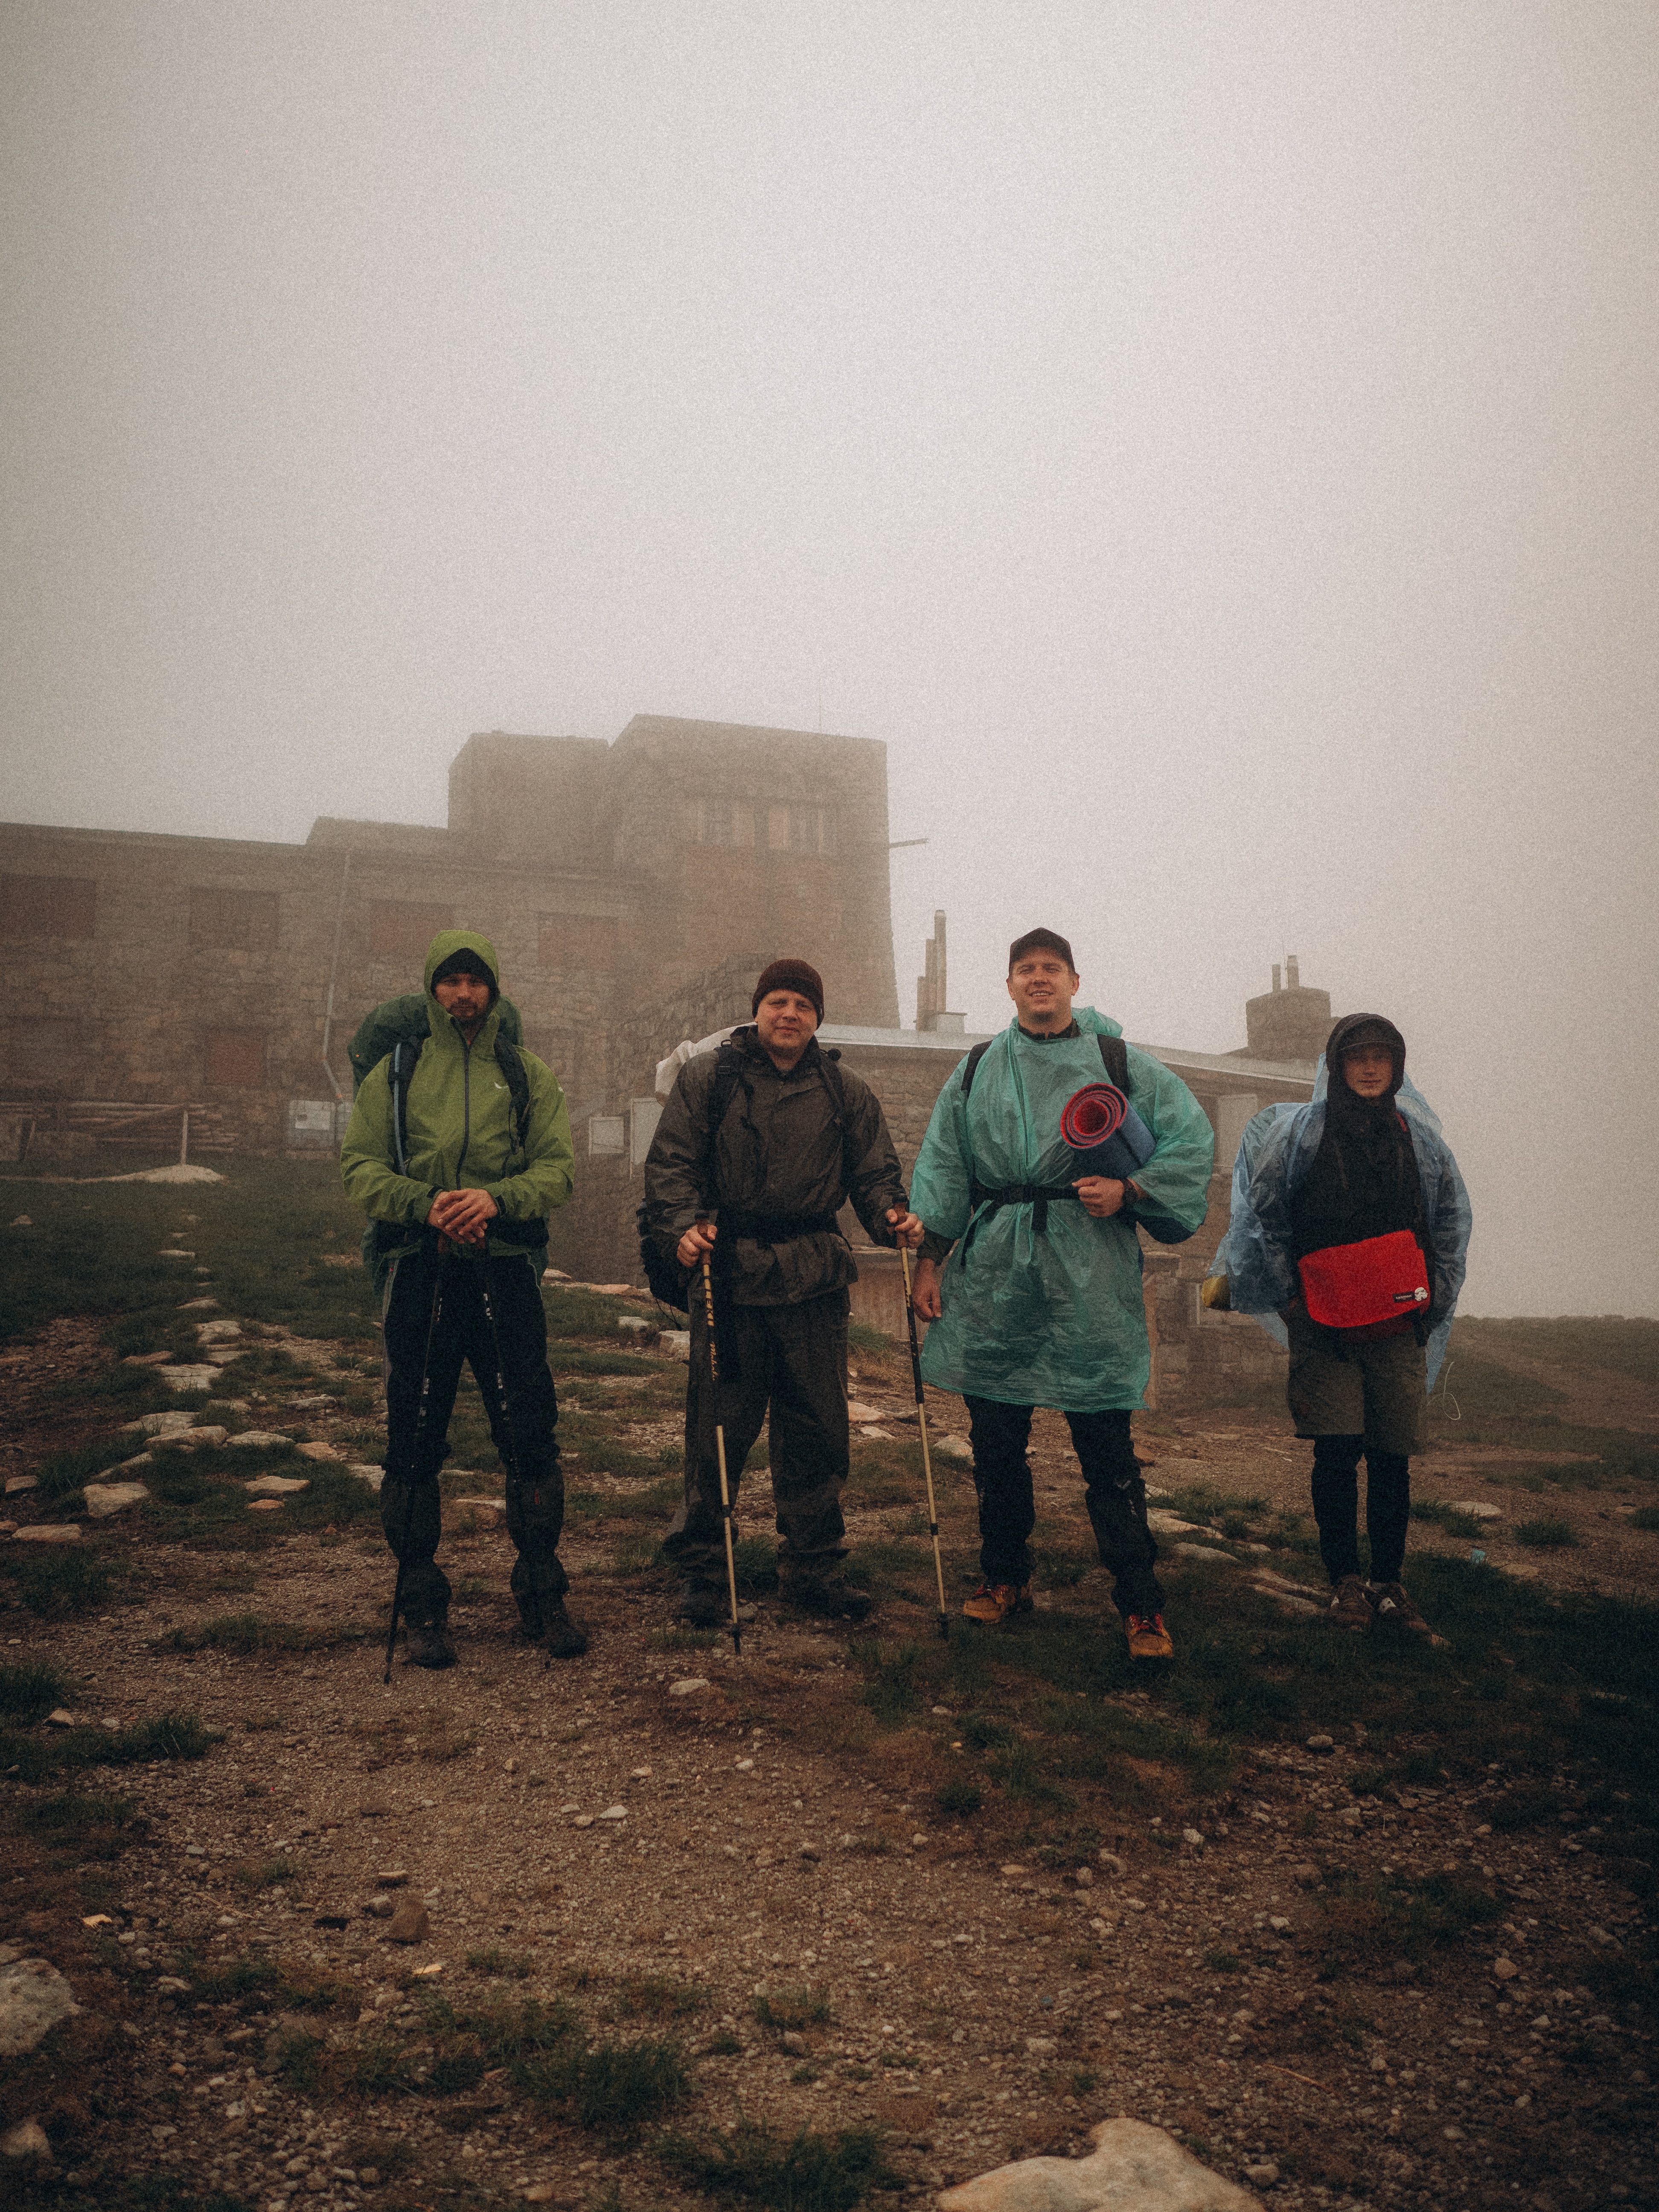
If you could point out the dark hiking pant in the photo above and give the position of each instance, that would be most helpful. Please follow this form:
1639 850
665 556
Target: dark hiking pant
792 1360
1336 1506
1114 1493
519 1399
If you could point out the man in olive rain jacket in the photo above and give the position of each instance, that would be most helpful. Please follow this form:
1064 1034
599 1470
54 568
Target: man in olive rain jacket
460 1185
797 1138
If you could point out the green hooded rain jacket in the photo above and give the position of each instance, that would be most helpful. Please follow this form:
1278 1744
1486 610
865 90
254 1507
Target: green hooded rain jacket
460 1126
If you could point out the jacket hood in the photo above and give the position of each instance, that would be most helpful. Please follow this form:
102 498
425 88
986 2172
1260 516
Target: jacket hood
1091 1022
461 940
1354 1030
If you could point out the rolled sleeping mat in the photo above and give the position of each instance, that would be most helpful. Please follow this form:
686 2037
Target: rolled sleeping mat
1105 1134
1107 1137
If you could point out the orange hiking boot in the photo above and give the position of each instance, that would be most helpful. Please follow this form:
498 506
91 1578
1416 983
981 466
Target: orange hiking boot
993 1602
1148 1637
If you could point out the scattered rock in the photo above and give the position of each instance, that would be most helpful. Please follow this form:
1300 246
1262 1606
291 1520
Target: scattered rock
49 1533
1286 1600
21 1221
410 1923
34 1998
675 1344
953 1448
159 1424
261 1440
1169 1524
857 1411
379 1908
373 1476
1267 2174
1504 1970
614 1813
217 1332
277 1486
60 1718
688 1687
27 2140
190 1439
188 1378
15 1484
1040 2046
320 1451
173 1252
1477 1508
1207 1553
1133 2167
104 1498
1322 1743
1306 1875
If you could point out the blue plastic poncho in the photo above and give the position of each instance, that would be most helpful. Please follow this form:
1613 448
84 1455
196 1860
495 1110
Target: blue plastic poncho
1274 1155
1052 1317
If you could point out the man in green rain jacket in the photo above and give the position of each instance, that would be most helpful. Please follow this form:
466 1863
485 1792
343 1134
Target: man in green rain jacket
459 1186
1039 1304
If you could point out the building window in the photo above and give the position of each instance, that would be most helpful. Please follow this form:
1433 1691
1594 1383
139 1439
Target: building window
797 829
234 1059
398 929
232 921
48 906
50 1058
724 822
578 941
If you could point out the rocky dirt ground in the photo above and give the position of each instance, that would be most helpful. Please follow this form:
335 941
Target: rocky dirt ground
851 1912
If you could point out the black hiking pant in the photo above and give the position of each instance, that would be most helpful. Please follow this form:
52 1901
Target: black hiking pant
1113 1494
519 1399
792 1360
1336 1506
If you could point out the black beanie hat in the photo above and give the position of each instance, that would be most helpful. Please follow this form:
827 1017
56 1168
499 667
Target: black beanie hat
466 962
1049 940
790 975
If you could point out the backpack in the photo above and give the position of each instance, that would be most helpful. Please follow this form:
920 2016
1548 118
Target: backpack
1161 1227
669 1282
397 1030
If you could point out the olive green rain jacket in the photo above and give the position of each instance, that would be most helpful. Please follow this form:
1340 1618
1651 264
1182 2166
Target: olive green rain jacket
461 1129
1050 1316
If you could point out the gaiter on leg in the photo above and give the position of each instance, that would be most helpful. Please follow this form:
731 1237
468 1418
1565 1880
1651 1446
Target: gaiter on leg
1336 1503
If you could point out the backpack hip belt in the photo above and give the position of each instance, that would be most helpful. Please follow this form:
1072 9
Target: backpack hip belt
775 1228
1038 1195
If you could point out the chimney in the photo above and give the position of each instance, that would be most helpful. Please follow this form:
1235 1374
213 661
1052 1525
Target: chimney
931 986
1292 980
1289 1023
1277 984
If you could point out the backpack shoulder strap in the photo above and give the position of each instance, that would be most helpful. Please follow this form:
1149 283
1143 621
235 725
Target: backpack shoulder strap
510 1061
829 1069
970 1065
728 1075
400 1068
1114 1057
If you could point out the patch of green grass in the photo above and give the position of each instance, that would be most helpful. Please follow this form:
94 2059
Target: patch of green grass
1365 1922
83 1818
892 1692
249 1634
786 2011
567 1362
1621 1346
1224 1962
298 2055
584 1313
757 1560
1547 1535
501 1966
62 1474
959 1798
59 1583
614 2088
1646 1516
657 1996
1524 1808
1441 1516
862 1337
29 1693
805 2172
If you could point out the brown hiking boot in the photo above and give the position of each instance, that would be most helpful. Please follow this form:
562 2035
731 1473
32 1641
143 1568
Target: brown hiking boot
1392 1608
1148 1637
994 1602
425 1643
1350 1608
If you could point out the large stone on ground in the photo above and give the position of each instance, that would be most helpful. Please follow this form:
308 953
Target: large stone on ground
192 1439
953 1447
410 1923
188 1378
34 1999
217 1332
277 1486
27 2140
1133 2167
48 1532
262 1440
158 1425
373 1476
104 1498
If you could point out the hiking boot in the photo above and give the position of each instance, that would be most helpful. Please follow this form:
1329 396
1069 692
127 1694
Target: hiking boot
565 1638
830 1596
994 1602
701 1605
1148 1637
1350 1608
1392 1608
425 1643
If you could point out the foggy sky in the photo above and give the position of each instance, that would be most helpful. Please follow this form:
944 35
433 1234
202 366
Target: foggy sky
1213 445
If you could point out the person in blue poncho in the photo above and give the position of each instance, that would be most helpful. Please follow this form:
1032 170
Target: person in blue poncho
1364 1160
1030 1275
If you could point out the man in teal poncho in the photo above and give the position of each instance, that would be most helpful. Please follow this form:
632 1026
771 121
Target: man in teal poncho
1039 1304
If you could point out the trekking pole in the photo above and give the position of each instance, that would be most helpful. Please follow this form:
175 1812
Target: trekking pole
513 1462
414 1460
735 1630
926 1457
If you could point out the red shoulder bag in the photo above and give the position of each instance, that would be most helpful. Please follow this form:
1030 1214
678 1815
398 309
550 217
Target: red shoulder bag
1379 1285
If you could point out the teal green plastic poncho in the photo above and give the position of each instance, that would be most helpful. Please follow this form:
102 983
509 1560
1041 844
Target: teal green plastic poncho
1050 1318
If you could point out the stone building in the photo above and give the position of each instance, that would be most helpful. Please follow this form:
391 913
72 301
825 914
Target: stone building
634 890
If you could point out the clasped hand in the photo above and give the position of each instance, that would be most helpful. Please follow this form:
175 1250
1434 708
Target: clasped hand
461 1217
